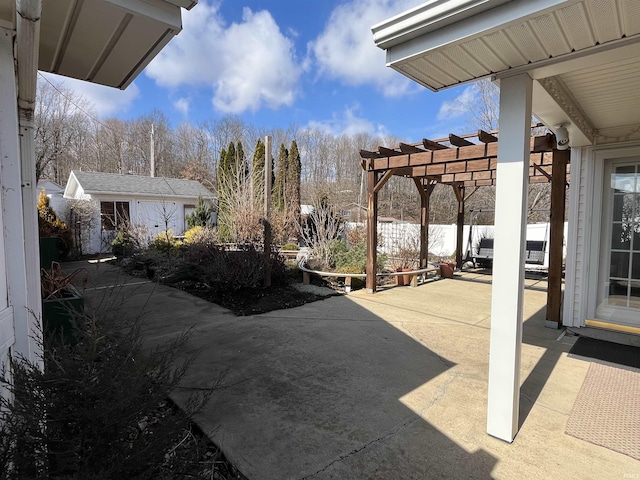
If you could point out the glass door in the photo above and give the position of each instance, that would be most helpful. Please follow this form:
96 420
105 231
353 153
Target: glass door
620 265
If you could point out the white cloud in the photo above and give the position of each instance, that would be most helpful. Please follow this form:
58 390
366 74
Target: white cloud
349 123
248 65
182 105
457 107
345 49
105 101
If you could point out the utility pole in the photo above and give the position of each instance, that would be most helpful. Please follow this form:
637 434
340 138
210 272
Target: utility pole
152 156
266 222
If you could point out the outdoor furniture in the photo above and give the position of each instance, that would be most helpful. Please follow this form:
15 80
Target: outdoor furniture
534 253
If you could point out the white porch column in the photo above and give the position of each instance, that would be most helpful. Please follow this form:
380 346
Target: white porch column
508 264
12 207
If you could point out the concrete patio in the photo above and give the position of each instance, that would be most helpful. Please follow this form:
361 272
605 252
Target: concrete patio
384 386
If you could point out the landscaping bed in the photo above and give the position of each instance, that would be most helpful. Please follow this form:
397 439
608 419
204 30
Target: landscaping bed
250 301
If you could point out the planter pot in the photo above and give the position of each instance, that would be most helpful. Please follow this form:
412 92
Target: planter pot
402 280
58 314
446 269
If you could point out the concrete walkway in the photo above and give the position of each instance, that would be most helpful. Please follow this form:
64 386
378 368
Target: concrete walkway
384 386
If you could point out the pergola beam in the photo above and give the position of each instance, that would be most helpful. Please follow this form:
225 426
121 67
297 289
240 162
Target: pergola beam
385 178
459 141
431 145
486 137
406 148
472 165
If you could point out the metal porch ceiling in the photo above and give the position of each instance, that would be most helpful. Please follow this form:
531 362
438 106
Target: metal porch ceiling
102 41
583 54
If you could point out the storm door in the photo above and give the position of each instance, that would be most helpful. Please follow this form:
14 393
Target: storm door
619 292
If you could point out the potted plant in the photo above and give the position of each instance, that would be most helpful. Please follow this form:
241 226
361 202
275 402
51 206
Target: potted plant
61 300
447 267
405 260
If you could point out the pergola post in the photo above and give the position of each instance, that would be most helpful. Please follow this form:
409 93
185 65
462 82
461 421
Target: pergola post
459 191
509 248
372 230
556 237
425 196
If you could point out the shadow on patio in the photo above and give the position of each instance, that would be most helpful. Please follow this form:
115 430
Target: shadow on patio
391 385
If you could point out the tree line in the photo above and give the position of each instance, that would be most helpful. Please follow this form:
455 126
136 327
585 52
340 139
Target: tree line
227 155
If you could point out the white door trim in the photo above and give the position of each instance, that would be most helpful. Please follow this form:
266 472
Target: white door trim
601 158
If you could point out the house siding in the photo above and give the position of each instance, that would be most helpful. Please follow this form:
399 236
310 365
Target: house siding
139 208
575 271
585 213
146 206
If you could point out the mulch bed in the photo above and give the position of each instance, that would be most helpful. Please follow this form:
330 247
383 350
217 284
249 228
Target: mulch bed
250 301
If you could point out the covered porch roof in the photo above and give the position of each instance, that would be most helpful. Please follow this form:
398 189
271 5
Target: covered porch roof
583 55
102 41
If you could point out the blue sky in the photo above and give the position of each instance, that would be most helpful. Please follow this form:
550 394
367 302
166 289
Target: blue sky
280 63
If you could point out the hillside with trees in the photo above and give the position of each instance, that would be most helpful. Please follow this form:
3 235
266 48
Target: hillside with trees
227 156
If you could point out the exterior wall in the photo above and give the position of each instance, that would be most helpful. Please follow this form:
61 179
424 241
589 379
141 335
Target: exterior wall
575 268
585 213
149 213
20 317
8 149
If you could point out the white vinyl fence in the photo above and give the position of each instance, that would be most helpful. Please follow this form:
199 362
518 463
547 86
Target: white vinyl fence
396 236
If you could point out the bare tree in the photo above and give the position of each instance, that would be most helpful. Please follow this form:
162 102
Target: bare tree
58 121
82 216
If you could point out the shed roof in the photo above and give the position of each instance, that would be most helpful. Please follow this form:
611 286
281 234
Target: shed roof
116 184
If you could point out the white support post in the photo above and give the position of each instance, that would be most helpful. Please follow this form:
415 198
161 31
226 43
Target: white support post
12 206
508 264
28 14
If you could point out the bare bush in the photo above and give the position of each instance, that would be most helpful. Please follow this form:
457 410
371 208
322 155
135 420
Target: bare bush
240 212
321 228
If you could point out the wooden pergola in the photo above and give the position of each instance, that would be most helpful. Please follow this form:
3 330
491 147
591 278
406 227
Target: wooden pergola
466 166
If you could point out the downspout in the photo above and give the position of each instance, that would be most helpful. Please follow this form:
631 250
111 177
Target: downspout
28 13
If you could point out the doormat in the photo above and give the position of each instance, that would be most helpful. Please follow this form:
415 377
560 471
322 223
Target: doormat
607 410
606 351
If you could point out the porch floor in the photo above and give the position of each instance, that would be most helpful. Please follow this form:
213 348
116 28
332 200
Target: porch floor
390 385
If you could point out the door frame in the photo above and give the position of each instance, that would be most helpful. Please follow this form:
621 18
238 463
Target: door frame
602 161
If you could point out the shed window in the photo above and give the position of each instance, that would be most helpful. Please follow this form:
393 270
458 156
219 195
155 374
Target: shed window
114 214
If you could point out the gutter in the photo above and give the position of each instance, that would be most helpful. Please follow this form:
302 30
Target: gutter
28 13
426 18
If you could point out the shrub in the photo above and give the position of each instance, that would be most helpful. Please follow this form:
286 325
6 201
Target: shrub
125 243
49 225
201 216
98 409
244 268
166 242
198 234
355 259
349 269
290 246
191 235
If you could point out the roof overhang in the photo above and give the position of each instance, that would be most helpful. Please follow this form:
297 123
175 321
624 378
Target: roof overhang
102 41
583 54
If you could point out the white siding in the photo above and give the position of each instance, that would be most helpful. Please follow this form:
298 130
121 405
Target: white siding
159 216
585 212
575 266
